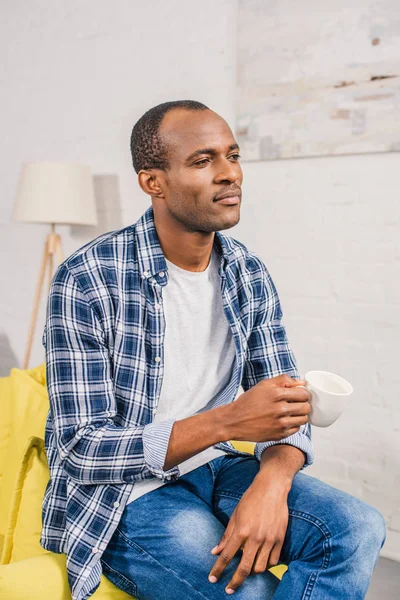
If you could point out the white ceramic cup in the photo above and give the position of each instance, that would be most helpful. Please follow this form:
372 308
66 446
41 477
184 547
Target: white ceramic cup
330 395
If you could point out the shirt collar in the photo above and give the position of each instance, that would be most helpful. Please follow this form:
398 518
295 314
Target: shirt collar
151 258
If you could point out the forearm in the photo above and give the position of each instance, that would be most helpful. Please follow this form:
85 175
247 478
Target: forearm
279 464
196 433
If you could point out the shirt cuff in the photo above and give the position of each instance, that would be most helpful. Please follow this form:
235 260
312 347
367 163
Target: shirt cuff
156 438
299 440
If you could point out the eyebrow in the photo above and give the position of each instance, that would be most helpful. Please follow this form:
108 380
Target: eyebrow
211 151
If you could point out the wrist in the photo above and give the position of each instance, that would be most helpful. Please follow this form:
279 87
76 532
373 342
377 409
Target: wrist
280 463
269 477
223 423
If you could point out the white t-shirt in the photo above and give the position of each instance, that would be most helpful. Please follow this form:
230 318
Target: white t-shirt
199 353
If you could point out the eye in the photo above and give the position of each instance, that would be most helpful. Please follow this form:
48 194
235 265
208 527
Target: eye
205 160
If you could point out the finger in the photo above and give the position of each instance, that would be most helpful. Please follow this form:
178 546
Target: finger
295 394
292 431
218 547
292 425
296 409
295 422
225 557
223 540
302 389
244 568
275 555
261 559
287 381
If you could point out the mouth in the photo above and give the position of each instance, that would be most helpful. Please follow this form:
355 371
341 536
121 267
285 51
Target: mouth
229 200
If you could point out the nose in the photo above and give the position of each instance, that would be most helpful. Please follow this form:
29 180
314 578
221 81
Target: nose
228 171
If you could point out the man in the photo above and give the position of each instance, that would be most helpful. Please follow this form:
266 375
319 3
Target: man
150 332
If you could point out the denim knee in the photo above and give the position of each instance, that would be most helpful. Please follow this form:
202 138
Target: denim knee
371 524
377 525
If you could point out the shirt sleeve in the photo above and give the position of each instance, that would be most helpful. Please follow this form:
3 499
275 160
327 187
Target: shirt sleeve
156 438
269 355
92 447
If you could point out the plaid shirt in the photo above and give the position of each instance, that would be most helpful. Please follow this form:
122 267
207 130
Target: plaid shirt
103 337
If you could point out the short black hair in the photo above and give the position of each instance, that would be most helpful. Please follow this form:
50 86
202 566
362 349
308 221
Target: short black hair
148 149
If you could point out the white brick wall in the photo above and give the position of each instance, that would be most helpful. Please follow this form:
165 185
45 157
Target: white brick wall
328 229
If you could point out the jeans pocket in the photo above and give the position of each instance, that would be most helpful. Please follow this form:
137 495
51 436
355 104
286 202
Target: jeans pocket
120 580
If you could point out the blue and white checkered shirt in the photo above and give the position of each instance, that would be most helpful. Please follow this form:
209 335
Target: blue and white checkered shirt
104 337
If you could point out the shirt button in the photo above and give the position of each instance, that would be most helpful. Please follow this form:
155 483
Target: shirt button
157 359
116 504
154 411
162 273
157 305
95 550
146 273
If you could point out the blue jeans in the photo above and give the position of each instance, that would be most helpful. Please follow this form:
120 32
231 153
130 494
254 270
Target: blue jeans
161 547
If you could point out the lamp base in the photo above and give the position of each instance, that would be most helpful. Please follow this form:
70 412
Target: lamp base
52 248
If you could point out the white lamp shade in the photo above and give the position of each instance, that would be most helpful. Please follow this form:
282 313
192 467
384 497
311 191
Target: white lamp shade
55 192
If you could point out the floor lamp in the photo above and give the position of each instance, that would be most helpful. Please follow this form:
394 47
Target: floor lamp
53 193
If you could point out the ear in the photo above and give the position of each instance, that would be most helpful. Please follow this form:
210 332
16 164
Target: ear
149 180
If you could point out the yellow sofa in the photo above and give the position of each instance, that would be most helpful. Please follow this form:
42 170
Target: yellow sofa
28 571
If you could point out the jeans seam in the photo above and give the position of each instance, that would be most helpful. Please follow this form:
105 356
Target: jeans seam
118 575
130 542
311 519
326 547
212 471
314 575
228 494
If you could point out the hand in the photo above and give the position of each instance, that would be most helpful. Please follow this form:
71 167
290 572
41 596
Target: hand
258 525
273 409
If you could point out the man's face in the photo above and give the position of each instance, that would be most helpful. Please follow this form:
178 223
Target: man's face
204 164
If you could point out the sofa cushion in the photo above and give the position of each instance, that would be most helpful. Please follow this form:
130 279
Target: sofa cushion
45 578
28 403
243 446
22 539
48 578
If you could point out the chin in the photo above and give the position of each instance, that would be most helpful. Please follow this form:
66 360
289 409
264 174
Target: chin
228 223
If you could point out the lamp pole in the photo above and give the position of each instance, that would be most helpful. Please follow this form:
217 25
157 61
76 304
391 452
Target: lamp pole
52 247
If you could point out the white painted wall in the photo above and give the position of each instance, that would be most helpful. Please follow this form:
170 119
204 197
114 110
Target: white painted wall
77 77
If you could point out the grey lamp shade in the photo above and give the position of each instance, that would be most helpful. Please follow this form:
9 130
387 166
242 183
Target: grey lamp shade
55 192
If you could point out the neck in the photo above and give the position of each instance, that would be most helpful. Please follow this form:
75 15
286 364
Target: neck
190 250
